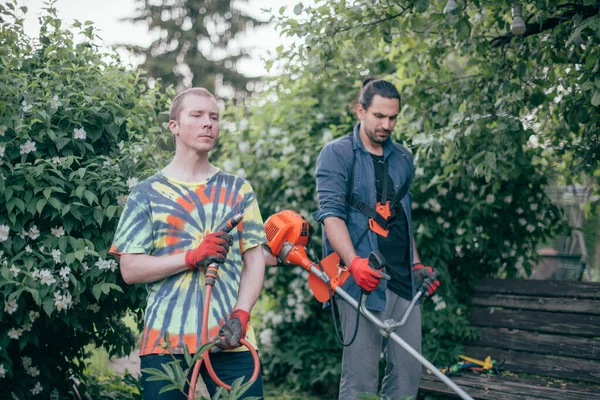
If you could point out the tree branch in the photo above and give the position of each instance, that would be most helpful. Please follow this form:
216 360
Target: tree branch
389 18
550 23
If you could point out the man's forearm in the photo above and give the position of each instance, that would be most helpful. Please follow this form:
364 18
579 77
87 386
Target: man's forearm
143 268
251 282
339 237
416 258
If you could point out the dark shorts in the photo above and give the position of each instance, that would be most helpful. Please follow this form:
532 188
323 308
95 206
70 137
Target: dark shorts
228 366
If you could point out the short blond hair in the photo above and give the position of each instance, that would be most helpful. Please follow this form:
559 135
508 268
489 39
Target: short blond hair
177 102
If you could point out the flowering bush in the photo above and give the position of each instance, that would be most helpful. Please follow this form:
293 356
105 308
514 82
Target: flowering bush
73 138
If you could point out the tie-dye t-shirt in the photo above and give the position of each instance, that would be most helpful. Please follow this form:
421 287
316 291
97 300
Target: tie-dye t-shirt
164 216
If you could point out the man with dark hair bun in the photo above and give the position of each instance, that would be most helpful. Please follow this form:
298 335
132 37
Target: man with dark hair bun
363 181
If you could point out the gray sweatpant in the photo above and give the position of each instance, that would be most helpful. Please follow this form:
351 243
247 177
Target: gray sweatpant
360 372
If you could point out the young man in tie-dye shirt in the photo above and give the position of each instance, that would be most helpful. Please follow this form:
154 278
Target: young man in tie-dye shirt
166 237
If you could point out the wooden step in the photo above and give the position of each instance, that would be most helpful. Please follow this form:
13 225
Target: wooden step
490 387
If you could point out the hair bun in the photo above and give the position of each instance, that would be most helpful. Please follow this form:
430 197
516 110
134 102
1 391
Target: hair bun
368 80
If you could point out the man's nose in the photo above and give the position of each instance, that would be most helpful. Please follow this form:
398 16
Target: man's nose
386 123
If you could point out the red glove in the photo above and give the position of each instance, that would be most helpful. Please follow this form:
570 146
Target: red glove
234 330
366 277
214 248
425 277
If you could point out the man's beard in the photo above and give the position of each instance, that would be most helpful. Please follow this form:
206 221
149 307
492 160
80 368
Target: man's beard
371 135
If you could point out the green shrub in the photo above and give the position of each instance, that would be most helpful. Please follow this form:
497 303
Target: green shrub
75 135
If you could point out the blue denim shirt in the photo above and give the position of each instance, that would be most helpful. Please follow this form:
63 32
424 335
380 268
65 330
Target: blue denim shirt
333 170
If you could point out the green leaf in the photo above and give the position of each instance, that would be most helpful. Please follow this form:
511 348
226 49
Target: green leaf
298 9
421 5
41 203
48 305
596 98
463 29
90 197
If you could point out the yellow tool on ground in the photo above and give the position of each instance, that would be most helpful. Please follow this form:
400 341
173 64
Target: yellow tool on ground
487 364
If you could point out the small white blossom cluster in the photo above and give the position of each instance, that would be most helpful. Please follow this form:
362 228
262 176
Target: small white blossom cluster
29 368
4 230
28 147
10 306
59 231
440 303
131 182
44 275
62 301
106 264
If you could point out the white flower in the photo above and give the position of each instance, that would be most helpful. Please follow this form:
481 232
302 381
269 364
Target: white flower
131 182
244 146
241 173
440 306
266 337
106 264
94 308
121 144
3 129
33 371
533 207
35 274
62 302
28 249
530 228
274 173
522 221
84 265
439 220
533 141
79 134
2 149
26 362
4 232
37 389
15 333
58 231
423 188
33 315
10 306
46 277
460 231
34 233
419 171
519 211
56 255
122 199
15 270
228 165
472 187
28 147
59 160
138 149
2 371
277 319
490 199
64 272
435 205
327 136
26 106
508 199
446 225
460 196
436 298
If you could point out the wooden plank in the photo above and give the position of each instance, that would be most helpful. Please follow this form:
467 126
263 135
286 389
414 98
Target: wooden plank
537 321
488 387
574 369
553 304
539 343
582 290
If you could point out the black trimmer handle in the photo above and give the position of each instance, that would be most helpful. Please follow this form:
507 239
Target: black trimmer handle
377 262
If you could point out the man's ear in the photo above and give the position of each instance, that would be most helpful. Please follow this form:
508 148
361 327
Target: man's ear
360 112
174 127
